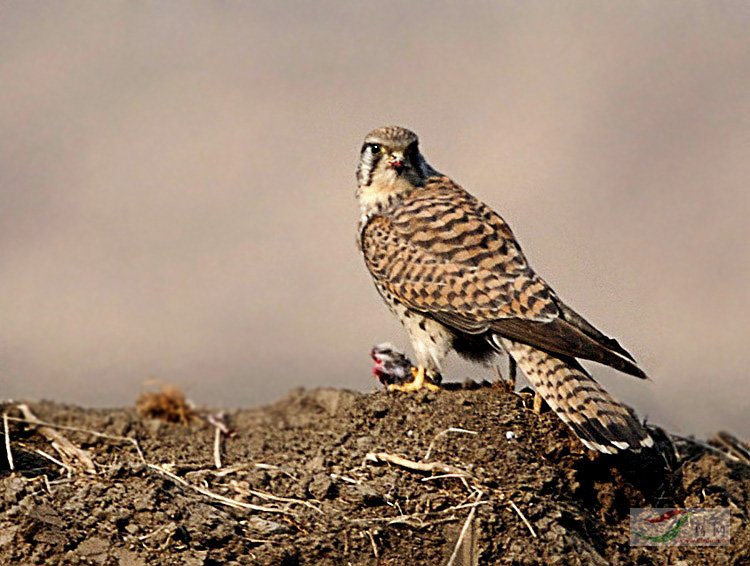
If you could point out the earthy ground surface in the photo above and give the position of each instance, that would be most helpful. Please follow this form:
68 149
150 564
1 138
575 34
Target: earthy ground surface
312 479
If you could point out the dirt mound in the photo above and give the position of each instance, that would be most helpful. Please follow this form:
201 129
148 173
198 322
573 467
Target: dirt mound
471 476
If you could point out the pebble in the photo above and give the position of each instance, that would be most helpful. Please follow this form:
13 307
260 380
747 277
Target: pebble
321 486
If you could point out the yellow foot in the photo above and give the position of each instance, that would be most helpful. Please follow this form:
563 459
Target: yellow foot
419 382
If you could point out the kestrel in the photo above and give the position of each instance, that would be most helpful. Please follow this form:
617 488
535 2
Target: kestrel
450 269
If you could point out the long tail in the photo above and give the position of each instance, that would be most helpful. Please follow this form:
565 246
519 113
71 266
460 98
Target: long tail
598 419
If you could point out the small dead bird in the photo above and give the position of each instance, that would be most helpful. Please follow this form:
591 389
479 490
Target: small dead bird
391 366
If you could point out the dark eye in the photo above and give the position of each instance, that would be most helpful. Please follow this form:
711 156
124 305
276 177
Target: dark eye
375 147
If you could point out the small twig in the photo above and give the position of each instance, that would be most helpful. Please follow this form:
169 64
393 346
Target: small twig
217 448
464 530
64 447
61 481
374 546
523 518
733 446
217 421
272 497
8 452
465 505
443 433
414 520
230 470
262 466
94 433
156 531
428 467
406 519
54 460
705 446
220 498
425 524
346 479
443 476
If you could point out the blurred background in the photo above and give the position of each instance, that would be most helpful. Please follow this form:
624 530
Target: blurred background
177 186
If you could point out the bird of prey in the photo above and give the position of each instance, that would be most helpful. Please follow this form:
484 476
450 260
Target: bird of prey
450 269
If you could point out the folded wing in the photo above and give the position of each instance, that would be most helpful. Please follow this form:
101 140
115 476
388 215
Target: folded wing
448 256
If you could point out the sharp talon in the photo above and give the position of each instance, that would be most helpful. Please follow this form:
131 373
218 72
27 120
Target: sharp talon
419 382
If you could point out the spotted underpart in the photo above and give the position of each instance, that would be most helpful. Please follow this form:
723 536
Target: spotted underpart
431 340
451 270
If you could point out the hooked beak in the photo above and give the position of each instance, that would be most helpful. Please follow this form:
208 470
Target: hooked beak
397 162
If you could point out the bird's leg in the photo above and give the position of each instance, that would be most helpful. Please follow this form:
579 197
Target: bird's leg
538 403
512 371
419 382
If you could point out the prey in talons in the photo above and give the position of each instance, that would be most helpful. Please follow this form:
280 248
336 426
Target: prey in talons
396 372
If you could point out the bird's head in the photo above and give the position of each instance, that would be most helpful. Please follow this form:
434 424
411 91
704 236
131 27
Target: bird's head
390 163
